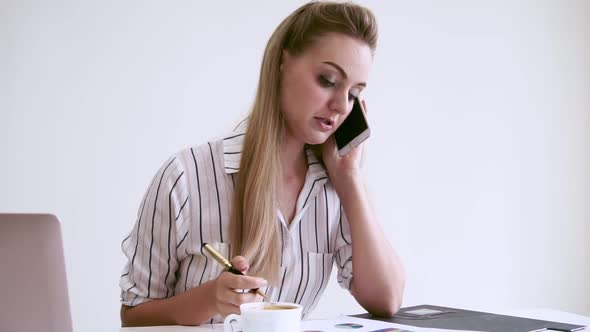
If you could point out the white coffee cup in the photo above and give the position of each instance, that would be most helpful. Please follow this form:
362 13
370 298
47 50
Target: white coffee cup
266 317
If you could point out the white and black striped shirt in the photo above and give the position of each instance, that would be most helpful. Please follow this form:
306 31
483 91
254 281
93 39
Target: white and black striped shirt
188 203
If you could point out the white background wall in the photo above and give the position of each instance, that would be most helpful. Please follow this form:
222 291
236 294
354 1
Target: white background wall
479 162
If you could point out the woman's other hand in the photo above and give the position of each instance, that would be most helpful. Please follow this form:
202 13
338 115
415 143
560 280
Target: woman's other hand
229 294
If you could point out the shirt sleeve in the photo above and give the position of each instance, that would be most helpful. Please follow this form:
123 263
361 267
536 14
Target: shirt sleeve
344 251
150 248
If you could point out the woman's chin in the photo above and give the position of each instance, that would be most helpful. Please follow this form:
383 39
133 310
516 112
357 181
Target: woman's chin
317 139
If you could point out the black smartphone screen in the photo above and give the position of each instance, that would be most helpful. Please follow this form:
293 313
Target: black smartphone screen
354 125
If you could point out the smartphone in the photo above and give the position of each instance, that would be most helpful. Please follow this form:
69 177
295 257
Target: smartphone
353 131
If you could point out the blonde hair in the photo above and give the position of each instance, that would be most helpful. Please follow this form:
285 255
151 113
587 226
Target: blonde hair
255 232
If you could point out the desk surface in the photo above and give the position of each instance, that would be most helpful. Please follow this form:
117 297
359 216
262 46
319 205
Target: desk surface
551 315
544 314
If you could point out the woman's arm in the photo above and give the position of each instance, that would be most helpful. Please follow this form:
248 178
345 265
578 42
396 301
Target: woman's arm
199 304
378 276
191 308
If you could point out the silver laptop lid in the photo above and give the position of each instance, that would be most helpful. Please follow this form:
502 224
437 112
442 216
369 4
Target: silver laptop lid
33 286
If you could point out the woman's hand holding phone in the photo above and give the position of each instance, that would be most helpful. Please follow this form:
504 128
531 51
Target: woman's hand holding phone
342 166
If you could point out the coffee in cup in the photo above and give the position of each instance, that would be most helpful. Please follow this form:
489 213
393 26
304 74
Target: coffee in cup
266 317
272 306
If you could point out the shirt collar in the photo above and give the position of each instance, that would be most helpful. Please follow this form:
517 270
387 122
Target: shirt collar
232 153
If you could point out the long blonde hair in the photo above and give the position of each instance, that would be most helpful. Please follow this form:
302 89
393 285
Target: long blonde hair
255 232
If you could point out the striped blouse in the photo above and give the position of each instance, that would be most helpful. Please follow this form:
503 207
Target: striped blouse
188 203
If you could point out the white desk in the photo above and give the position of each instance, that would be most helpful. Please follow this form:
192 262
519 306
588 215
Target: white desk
543 314
551 315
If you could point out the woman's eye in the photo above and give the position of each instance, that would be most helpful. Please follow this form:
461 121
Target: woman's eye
326 82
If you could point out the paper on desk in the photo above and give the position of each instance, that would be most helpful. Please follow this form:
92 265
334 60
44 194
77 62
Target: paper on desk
348 324
361 325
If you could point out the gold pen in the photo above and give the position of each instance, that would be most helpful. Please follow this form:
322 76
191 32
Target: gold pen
228 266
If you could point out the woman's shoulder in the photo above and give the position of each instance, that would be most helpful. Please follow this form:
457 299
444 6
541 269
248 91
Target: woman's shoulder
222 150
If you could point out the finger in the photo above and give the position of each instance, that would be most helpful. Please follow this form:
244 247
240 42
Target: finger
228 297
247 297
237 298
365 106
329 147
248 282
235 281
226 309
240 263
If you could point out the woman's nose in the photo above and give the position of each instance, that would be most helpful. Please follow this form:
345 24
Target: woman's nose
339 104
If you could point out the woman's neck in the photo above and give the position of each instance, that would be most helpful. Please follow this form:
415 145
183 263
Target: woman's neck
293 158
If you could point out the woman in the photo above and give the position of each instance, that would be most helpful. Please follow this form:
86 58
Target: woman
263 197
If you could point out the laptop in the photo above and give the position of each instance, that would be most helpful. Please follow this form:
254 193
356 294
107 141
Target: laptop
33 286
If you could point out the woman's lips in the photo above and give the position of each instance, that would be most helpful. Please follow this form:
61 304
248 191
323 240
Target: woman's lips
324 124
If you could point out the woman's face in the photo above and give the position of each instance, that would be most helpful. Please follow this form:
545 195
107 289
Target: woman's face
318 86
